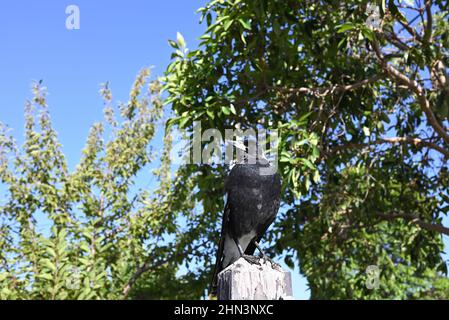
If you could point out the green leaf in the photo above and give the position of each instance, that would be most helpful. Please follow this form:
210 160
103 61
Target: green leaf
395 11
316 176
307 163
210 114
232 108
173 44
228 24
366 131
345 27
304 117
246 24
180 40
226 110
307 184
368 34
49 264
45 276
382 7
242 37
51 251
183 122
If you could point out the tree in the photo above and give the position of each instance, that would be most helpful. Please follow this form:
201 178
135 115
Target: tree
360 95
106 239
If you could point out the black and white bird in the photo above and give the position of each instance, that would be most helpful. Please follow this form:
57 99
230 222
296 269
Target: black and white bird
253 197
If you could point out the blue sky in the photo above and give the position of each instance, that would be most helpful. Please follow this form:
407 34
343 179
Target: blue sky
115 40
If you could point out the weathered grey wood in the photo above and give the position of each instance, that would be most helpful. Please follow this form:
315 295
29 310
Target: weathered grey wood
245 281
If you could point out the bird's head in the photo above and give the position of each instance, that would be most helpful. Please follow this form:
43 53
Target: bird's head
248 151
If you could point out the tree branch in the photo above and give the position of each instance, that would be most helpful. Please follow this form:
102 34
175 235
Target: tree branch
150 264
415 219
394 40
403 140
428 28
416 88
336 88
410 30
417 142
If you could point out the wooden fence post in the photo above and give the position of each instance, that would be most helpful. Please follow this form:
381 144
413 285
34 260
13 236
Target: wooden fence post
245 281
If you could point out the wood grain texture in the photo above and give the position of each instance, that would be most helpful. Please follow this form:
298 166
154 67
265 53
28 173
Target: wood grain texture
245 281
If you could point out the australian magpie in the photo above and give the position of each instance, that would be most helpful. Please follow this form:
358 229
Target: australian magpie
253 199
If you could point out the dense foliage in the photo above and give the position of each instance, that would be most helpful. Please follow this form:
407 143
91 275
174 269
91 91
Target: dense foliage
360 94
90 233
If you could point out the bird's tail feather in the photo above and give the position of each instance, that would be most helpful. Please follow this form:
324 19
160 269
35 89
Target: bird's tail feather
217 269
218 263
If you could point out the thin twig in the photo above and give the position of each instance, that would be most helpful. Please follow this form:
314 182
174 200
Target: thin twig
415 219
151 265
415 87
332 89
403 140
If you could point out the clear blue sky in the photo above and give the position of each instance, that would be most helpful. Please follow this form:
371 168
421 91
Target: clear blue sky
116 39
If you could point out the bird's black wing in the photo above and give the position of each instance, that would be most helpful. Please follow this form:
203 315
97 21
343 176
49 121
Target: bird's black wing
218 262
251 246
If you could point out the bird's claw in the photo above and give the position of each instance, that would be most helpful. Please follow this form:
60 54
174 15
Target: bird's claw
251 259
274 265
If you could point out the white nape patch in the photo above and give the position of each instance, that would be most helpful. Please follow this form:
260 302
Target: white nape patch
259 206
